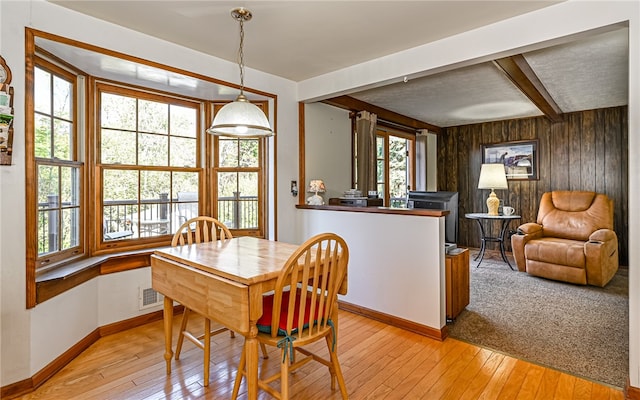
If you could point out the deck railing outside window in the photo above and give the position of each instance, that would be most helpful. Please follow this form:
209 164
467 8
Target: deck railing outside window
160 216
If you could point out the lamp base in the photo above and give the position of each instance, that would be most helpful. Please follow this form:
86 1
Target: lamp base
493 203
315 200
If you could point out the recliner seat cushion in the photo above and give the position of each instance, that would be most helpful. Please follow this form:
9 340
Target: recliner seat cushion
558 251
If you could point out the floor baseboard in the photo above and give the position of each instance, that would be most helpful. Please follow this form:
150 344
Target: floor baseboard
631 392
437 334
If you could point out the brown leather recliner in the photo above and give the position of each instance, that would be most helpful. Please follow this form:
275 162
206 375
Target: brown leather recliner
572 241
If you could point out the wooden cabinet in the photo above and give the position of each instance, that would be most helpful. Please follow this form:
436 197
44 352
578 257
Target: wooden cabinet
457 282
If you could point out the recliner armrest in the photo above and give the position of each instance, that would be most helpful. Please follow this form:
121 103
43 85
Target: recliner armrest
602 235
524 233
530 228
601 253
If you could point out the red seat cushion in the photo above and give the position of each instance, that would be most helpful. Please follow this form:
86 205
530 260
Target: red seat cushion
264 323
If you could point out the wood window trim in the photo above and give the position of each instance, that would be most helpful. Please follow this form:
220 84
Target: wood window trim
386 132
33 259
262 170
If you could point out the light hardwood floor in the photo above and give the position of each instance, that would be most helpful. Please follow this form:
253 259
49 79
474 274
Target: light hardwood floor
378 362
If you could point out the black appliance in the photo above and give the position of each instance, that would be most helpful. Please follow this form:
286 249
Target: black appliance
439 201
356 201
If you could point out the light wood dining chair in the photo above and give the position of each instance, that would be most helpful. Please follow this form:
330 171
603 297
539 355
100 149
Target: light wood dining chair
303 309
200 230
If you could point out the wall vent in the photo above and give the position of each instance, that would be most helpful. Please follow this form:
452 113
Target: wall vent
149 298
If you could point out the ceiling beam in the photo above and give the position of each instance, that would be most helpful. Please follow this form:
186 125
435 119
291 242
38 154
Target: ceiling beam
352 104
520 73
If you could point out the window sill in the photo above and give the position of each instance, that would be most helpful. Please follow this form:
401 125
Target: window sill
51 283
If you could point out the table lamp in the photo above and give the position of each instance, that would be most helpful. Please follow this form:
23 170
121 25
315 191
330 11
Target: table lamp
316 186
492 176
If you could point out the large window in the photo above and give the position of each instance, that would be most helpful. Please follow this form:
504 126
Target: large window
238 183
58 173
394 166
148 147
115 167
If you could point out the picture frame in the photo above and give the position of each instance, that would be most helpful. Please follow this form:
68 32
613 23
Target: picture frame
520 158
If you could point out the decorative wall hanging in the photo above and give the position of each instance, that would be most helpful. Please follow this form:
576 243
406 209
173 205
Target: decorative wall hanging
520 158
6 114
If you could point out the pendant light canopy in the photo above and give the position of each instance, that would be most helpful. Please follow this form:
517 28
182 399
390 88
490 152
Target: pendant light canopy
241 118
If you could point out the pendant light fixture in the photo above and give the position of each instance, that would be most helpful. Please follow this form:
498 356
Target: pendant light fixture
241 118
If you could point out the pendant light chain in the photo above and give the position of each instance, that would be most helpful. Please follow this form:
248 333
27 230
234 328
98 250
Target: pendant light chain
241 118
241 55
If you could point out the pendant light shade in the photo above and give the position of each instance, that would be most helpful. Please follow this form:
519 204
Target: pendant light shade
241 118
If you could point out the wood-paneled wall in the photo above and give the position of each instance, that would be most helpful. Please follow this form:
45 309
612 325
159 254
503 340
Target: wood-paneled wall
588 151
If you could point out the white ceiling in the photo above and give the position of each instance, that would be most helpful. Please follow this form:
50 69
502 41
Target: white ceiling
584 74
302 39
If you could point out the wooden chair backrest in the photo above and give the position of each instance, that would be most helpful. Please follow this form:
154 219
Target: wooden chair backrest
199 230
318 268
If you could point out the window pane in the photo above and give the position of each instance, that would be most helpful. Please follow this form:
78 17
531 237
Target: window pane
228 152
155 185
153 150
380 171
62 98
227 183
185 189
185 182
227 188
120 185
238 199
43 136
183 121
118 147
120 203
248 183
47 231
379 147
249 152
248 200
42 86
183 152
70 179
118 112
154 215
153 117
397 167
48 185
63 139
70 228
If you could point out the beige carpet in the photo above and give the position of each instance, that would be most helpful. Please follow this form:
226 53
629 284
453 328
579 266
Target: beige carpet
582 330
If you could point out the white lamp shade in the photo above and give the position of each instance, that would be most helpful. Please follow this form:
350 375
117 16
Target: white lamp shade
492 176
240 119
316 186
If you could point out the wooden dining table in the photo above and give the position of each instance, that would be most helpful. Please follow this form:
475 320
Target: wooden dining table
224 281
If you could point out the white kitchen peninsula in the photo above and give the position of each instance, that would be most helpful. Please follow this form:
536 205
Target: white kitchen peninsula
396 265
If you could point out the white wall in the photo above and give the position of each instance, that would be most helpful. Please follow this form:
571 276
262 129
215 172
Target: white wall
30 339
60 323
118 295
327 148
527 32
396 262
